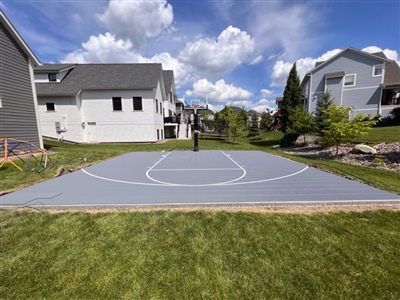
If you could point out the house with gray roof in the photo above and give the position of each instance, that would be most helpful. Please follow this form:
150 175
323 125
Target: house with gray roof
103 103
367 82
18 101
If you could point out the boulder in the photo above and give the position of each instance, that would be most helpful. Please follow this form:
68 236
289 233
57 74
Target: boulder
363 149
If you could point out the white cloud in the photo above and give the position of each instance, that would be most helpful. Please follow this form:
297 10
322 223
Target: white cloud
390 54
137 20
104 49
281 68
220 92
257 60
266 92
280 26
232 48
262 105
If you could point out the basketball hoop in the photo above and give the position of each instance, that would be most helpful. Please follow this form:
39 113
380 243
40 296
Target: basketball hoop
195 107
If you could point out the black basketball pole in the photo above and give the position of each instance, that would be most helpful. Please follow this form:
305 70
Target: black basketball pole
196 131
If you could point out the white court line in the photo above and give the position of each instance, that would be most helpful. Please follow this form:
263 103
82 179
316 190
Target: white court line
161 183
216 169
199 185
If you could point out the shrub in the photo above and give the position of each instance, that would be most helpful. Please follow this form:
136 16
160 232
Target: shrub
395 113
288 139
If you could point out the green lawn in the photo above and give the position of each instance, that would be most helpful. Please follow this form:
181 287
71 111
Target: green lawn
388 134
200 255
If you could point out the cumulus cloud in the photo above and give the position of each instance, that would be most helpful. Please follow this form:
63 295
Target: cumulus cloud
220 93
108 49
281 68
137 20
266 92
263 104
215 56
103 48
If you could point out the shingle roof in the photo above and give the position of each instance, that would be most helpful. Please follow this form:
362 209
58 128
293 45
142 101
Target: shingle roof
392 71
104 76
53 67
168 79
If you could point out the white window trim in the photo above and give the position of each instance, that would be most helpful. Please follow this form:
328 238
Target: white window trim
344 80
374 68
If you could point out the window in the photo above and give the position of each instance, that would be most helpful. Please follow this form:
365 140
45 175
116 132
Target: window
117 103
137 103
377 70
161 110
50 107
52 77
350 80
156 105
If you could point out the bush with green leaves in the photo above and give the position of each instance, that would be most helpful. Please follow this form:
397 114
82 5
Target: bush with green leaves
301 122
288 139
338 129
395 113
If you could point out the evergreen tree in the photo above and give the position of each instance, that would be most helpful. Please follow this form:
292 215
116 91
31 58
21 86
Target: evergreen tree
292 97
301 122
253 127
322 105
266 119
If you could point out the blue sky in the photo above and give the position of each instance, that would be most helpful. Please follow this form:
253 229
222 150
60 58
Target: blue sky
237 53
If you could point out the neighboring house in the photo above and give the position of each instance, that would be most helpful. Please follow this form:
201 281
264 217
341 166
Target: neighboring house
365 81
171 121
18 103
103 103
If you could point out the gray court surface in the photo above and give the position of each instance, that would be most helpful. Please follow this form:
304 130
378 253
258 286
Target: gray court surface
196 178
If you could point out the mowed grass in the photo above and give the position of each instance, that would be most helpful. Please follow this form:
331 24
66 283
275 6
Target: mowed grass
200 255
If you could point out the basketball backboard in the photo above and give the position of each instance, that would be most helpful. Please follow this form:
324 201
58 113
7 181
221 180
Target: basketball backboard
195 102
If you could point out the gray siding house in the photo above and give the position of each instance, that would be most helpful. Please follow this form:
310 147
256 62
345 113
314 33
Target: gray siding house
18 102
367 82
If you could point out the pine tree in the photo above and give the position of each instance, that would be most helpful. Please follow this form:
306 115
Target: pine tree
302 122
253 127
322 105
292 97
266 120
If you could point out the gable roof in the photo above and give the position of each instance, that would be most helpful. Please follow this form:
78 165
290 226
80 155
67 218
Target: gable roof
319 65
392 71
54 67
103 76
18 39
168 79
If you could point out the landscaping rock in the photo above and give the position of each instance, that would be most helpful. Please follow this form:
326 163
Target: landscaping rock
363 149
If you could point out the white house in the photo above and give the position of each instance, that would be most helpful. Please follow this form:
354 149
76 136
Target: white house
103 103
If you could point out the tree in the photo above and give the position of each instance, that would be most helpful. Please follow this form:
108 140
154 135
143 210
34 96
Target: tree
266 119
292 97
234 123
253 127
220 122
322 105
301 122
242 118
339 129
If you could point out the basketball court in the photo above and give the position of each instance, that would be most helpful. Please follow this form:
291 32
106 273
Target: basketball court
196 178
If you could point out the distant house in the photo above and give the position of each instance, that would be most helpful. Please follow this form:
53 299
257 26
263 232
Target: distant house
365 81
104 103
18 102
171 120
